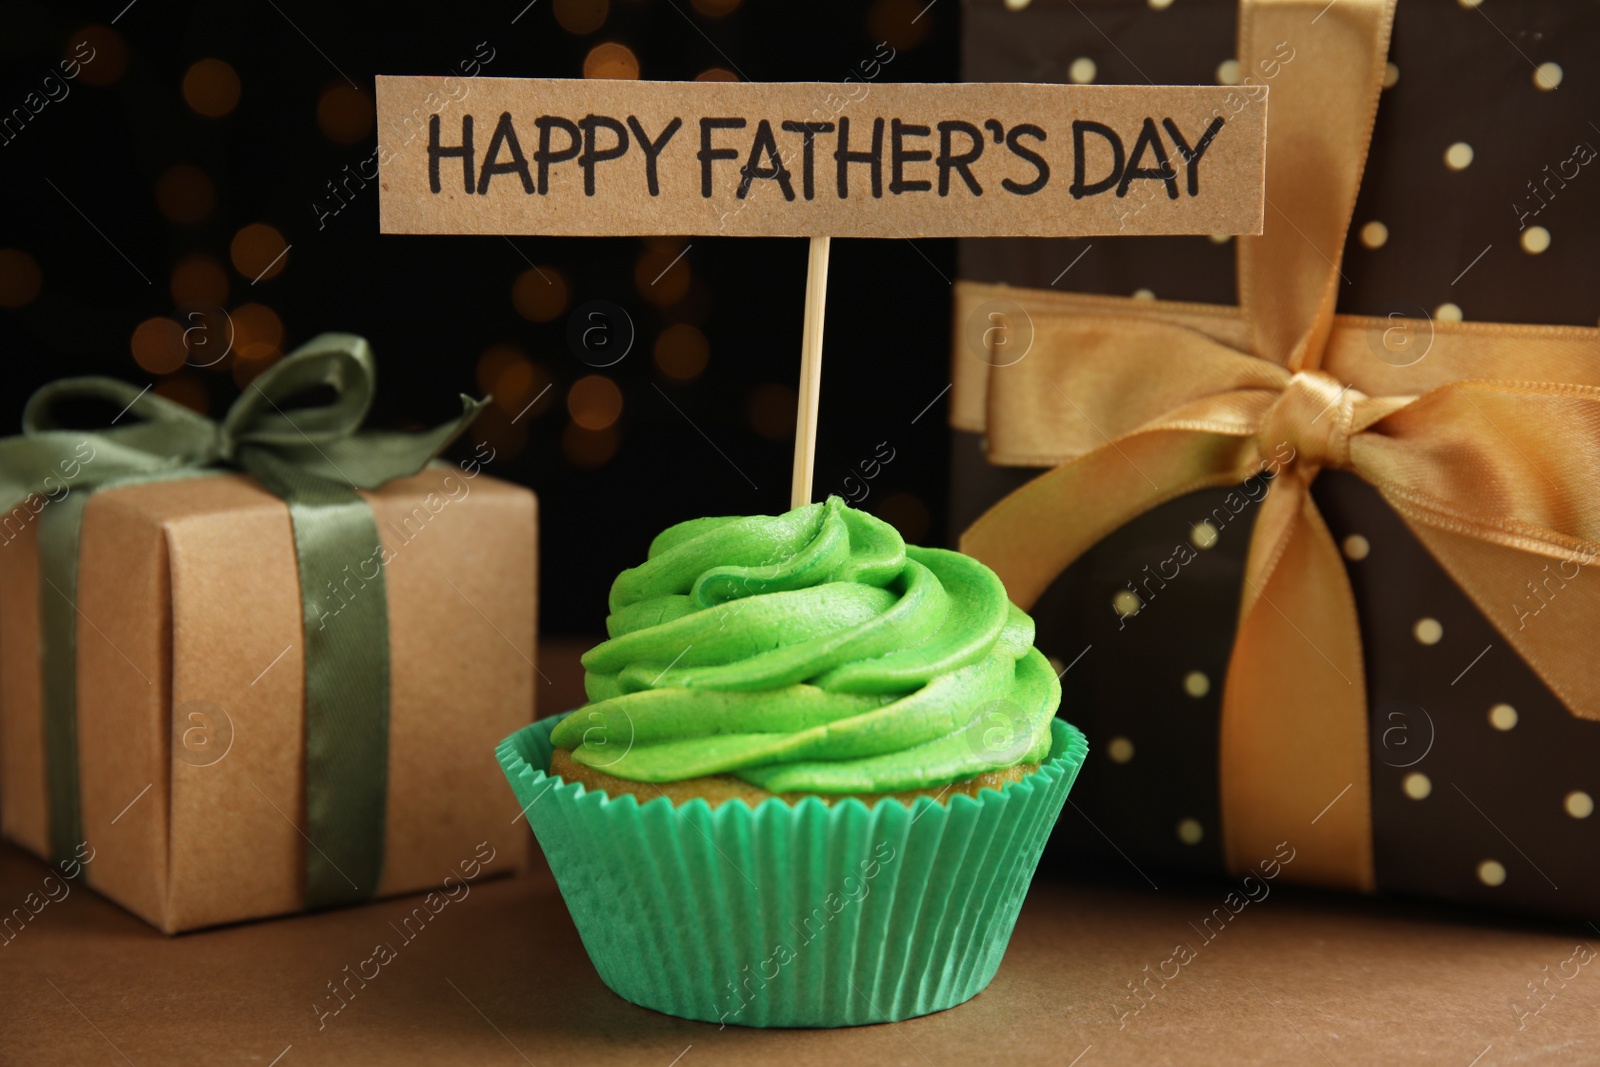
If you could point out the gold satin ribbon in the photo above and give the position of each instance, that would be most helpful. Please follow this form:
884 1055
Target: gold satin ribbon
1488 445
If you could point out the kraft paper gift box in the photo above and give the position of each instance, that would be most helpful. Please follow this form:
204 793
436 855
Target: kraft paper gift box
191 734
1466 765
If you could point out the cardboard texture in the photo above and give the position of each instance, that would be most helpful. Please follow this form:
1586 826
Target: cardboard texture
191 689
601 157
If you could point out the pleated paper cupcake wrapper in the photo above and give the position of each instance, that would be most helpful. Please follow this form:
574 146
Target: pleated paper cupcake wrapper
792 915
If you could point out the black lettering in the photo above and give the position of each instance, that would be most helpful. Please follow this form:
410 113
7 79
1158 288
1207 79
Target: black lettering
518 164
1023 152
545 155
899 157
765 144
652 149
1080 188
708 155
963 162
844 157
1151 137
807 157
1191 156
436 152
591 155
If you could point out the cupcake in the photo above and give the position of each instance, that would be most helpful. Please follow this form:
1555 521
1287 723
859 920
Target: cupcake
813 779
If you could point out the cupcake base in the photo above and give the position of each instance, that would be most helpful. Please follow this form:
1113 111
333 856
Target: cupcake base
716 789
803 914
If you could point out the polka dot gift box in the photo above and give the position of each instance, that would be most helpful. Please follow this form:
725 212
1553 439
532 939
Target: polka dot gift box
1308 520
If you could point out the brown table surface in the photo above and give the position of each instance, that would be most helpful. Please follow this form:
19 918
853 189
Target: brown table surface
500 977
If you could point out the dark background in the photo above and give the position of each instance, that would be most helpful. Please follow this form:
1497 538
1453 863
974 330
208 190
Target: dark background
133 209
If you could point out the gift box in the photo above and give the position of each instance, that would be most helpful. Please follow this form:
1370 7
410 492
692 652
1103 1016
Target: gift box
1312 543
231 695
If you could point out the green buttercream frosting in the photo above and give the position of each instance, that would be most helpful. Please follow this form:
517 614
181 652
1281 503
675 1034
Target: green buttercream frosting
813 651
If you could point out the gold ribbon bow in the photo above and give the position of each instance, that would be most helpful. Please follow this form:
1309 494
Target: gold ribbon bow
1488 445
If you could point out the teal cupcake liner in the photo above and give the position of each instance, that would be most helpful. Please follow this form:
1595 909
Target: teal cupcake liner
792 914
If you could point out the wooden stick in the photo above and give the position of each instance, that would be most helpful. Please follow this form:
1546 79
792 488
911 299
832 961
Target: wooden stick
805 429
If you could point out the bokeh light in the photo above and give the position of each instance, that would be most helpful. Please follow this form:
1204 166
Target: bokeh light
259 252
611 60
716 74
157 345
245 371
662 275
594 402
20 279
257 332
506 373
771 410
681 352
211 88
902 23
186 389
581 16
906 513
185 194
199 280
208 337
694 308
345 114
101 56
588 449
540 294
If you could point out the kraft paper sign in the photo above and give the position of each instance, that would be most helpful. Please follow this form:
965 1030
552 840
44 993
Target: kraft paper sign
603 157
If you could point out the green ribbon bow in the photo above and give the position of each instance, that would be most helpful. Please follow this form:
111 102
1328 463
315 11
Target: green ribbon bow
314 458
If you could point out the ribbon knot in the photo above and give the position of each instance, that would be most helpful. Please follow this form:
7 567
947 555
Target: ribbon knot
314 456
1314 415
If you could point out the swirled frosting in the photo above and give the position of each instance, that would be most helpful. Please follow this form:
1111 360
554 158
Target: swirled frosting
813 651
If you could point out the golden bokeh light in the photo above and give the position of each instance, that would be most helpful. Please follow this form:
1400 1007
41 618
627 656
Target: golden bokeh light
245 371
185 194
259 252
101 56
771 411
581 16
540 294
899 22
662 276
670 244
158 345
257 332
199 280
716 74
344 114
20 279
611 60
494 362
588 449
506 373
681 352
186 389
694 308
208 337
211 88
906 513
594 402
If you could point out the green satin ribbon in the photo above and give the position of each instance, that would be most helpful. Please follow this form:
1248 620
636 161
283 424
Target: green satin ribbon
315 459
